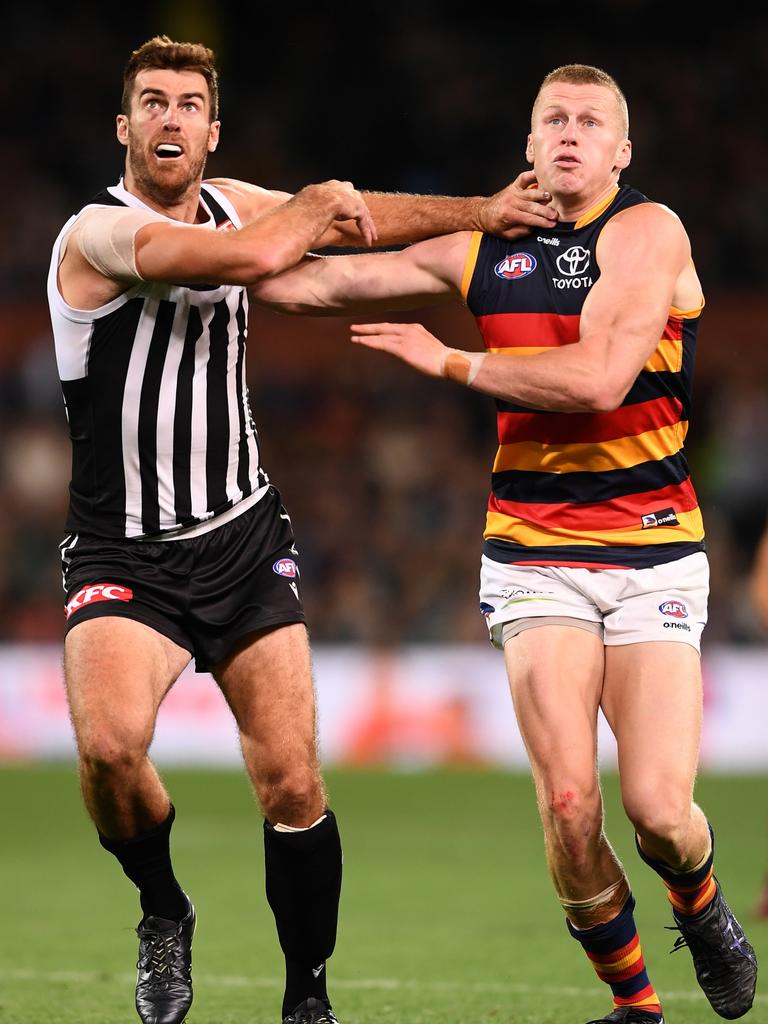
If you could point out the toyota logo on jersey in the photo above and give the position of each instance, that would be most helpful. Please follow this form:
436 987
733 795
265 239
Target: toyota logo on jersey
98 592
512 268
573 261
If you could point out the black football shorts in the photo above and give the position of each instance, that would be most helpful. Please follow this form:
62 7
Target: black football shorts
205 593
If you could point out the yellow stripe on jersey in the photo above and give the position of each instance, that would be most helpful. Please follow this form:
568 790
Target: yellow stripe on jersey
528 350
470 262
595 211
518 531
623 453
668 356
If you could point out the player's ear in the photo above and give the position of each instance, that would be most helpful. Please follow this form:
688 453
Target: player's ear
529 150
213 135
623 155
122 129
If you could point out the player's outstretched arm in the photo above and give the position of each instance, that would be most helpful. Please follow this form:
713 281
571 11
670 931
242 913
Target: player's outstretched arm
111 248
641 253
420 275
268 245
516 210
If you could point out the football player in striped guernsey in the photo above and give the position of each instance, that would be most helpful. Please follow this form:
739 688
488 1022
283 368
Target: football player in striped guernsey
178 546
594 578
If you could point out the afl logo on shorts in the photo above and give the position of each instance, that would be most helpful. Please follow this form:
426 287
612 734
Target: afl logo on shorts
511 268
286 567
674 609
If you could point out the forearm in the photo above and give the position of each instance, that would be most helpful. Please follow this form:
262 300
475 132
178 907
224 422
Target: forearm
283 235
402 218
564 380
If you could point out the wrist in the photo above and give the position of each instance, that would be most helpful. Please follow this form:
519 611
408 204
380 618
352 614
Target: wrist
477 212
461 367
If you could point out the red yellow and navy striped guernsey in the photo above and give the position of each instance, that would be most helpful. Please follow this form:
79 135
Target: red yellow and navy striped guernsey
598 490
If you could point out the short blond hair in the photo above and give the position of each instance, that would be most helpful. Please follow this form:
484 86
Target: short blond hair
585 74
161 52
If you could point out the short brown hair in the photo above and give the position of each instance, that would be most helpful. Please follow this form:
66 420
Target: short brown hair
162 52
585 74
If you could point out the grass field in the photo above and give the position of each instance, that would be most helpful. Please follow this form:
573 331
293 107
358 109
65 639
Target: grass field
447 913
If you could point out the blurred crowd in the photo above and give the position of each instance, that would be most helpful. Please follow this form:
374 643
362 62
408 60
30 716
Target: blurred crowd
386 475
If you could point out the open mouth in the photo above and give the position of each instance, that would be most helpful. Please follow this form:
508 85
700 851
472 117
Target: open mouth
168 151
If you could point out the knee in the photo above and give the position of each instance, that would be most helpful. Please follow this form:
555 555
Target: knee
113 752
293 795
660 820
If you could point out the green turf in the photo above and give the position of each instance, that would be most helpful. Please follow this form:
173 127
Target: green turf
447 912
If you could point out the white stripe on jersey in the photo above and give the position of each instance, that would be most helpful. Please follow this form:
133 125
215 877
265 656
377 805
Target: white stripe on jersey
165 424
250 430
130 418
198 455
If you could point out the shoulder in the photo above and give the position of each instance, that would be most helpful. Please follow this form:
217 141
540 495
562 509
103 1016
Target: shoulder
645 228
250 201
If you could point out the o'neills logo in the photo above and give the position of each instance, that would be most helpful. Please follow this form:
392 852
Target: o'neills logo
98 592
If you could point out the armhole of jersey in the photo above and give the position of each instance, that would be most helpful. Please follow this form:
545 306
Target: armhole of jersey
470 263
225 203
689 314
56 299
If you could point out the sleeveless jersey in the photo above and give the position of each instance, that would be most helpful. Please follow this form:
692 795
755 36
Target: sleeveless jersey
605 489
155 390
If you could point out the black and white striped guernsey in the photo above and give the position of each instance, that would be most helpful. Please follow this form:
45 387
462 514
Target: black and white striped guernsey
154 383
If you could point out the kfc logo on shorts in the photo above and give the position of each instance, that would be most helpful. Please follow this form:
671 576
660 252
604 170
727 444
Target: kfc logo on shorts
674 609
511 268
98 592
286 567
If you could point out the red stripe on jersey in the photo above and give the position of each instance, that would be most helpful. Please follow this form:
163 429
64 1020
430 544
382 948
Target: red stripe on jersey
528 330
588 427
673 329
614 514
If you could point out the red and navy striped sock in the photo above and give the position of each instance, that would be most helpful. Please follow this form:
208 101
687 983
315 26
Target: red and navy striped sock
689 892
615 953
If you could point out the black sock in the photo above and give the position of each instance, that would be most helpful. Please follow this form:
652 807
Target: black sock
146 860
303 875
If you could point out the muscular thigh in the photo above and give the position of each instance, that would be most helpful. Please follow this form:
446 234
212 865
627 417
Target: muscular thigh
555 675
652 698
117 672
268 684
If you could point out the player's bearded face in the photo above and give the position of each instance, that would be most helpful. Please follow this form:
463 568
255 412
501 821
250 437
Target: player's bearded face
167 180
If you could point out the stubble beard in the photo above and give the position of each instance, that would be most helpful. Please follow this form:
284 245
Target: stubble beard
162 191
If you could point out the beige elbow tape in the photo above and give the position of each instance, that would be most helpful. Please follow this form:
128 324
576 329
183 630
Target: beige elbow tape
462 367
106 237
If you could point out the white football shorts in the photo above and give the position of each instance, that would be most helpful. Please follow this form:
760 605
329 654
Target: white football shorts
622 606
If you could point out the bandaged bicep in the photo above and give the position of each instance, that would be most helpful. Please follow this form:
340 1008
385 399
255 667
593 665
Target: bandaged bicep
107 239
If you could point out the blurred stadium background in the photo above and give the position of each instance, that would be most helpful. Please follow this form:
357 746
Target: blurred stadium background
385 474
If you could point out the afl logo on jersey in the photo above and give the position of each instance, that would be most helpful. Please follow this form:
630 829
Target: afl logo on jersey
286 567
675 609
512 268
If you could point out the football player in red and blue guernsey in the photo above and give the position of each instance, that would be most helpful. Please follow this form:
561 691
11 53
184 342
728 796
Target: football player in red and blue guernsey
594 576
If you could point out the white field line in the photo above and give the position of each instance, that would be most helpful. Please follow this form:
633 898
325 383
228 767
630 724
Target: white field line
386 984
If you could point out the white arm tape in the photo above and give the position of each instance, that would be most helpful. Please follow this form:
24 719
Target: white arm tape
106 238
